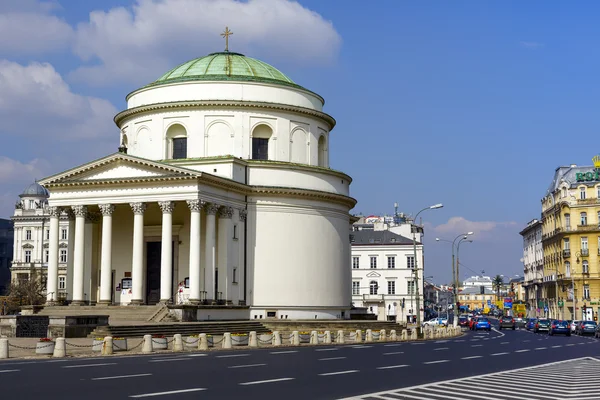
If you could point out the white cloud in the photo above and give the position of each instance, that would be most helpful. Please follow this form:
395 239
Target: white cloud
482 230
27 27
138 44
13 171
35 100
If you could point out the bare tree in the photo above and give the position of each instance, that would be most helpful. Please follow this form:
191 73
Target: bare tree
25 292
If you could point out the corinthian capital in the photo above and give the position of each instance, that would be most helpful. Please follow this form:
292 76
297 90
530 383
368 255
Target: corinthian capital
54 211
195 205
138 208
226 212
106 209
243 214
166 207
211 208
79 211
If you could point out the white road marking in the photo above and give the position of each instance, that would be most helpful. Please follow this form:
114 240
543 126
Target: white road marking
392 345
360 347
137 396
9 370
332 358
331 349
441 341
414 344
436 362
499 354
88 365
196 355
540 348
283 352
266 381
440 348
170 359
104 378
571 344
474 340
460 340
247 366
556 347
470 357
233 355
527 340
504 342
522 351
394 366
476 345
392 353
339 372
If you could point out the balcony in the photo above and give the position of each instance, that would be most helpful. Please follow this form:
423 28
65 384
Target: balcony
373 297
584 252
566 253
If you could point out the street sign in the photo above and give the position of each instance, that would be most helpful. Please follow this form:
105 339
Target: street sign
545 309
561 303
489 302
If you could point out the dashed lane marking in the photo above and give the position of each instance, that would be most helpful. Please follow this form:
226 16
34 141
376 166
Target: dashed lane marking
266 381
104 378
471 357
436 362
394 366
339 372
392 353
246 366
137 396
499 354
332 358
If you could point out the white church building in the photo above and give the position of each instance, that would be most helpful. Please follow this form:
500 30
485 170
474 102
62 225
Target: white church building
220 194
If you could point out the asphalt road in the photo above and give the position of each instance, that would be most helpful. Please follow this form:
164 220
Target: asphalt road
324 372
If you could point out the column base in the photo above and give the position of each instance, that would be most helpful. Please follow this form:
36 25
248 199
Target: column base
51 303
77 303
194 302
165 302
104 303
136 302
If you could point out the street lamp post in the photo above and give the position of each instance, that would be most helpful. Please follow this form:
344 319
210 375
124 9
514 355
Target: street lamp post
456 282
416 269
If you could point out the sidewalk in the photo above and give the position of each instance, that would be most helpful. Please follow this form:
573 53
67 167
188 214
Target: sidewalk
76 347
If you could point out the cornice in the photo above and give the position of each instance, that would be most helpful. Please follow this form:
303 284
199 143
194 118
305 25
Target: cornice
304 193
121 117
296 166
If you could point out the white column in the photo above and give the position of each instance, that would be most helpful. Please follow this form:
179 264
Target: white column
78 257
106 254
223 261
209 247
194 271
19 249
242 254
52 282
15 244
70 253
137 262
166 252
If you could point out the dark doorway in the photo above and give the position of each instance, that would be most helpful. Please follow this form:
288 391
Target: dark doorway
153 251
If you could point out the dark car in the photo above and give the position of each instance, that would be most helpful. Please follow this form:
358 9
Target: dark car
530 323
542 324
558 326
507 321
463 321
585 327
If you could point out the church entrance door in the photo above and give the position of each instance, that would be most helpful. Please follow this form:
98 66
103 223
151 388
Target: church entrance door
153 251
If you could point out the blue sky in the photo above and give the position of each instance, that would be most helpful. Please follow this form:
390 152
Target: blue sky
468 103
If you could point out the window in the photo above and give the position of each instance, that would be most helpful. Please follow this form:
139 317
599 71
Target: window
586 291
27 256
260 148
63 256
586 267
62 282
410 262
584 243
567 244
234 278
411 287
391 287
391 262
63 234
22 277
373 262
568 269
373 287
46 255
235 233
355 288
28 234
598 192
568 222
31 204
48 233
179 148
583 218
564 192
356 261
582 193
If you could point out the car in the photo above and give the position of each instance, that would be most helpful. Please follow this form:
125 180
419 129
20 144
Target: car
574 325
482 323
585 327
472 322
520 322
463 321
436 322
530 323
558 326
507 322
542 324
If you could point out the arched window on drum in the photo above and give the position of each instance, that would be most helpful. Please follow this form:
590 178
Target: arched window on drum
176 142
261 137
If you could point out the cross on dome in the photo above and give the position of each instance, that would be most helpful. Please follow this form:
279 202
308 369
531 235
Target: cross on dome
226 35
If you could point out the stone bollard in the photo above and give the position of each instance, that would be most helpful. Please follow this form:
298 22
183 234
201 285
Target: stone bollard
107 346
177 342
340 337
369 336
227 340
393 336
276 338
202 342
327 339
413 334
252 339
60 348
314 337
382 335
3 348
404 335
146 347
295 339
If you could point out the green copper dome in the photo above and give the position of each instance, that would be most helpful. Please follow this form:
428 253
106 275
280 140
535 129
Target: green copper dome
225 66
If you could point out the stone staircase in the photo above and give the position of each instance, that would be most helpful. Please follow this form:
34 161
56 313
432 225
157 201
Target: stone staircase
330 325
117 314
169 329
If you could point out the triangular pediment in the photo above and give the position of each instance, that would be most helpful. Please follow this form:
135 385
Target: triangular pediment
373 274
118 167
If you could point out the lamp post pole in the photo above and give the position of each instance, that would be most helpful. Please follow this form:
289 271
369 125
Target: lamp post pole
416 269
464 238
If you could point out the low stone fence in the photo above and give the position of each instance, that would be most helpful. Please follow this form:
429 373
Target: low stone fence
60 347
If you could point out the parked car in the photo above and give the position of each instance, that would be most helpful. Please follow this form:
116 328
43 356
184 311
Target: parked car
530 323
558 326
436 322
520 322
542 324
463 321
574 325
482 323
585 327
507 321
